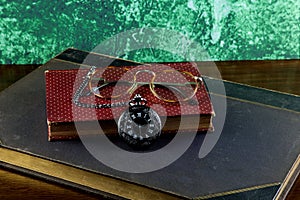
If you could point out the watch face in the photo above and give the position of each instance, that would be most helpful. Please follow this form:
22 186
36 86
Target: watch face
139 127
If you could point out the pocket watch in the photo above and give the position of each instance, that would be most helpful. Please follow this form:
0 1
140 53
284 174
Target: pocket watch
139 125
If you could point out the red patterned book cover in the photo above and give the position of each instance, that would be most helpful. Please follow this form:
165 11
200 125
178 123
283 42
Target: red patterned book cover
62 113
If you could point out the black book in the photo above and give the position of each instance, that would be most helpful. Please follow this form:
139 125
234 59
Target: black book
255 155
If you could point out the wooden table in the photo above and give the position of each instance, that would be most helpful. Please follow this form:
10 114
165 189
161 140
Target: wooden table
283 76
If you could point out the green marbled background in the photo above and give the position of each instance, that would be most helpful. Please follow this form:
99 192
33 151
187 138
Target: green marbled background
35 31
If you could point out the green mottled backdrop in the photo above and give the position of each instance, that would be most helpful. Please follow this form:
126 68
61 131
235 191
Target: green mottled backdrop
35 31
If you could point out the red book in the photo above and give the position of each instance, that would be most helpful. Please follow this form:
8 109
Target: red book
62 113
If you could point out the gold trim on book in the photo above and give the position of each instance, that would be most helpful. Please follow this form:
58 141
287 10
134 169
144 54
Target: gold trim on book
256 87
289 180
262 88
255 103
82 177
238 191
97 181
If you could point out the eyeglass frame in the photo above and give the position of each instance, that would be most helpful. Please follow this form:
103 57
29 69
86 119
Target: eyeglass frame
198 82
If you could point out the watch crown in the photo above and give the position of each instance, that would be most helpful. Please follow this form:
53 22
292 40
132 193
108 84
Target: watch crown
138 100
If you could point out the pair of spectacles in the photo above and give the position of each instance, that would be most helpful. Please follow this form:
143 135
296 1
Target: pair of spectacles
166 84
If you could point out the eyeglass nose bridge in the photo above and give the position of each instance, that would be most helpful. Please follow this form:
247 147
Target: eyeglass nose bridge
135 83
144 70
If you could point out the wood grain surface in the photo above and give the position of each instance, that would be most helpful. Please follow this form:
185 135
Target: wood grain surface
283 76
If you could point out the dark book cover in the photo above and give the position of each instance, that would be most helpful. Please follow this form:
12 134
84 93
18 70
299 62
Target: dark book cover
254 157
